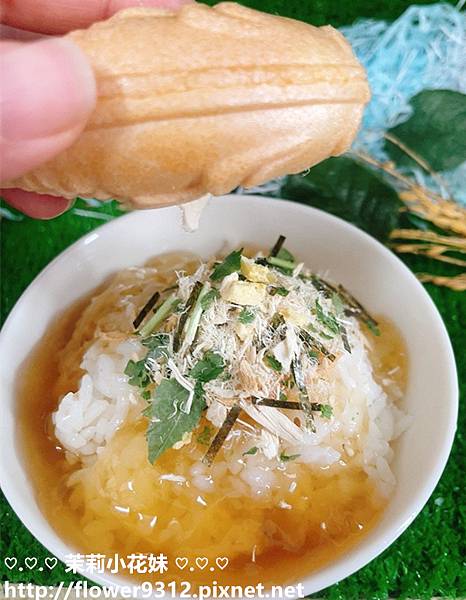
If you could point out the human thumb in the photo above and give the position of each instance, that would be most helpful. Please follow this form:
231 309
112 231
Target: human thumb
47 93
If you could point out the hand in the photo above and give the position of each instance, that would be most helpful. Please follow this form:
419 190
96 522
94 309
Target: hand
48 88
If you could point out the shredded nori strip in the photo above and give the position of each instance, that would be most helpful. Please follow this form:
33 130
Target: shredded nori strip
184 316
315 344
344 337
278 403
304 399
356 309
222 433
170 289
352 302
289 405
146 309
324 286
277 246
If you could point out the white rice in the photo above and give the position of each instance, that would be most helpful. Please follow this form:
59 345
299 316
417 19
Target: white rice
365 421
88 418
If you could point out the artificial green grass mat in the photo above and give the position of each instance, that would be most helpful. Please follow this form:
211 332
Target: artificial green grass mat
333 12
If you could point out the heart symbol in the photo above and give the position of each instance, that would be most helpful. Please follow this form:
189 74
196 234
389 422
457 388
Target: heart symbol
221 562
181 562
202 562
51 562
30 562
10 562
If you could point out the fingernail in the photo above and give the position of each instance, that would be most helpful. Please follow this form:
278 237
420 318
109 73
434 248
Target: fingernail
37 206
48 87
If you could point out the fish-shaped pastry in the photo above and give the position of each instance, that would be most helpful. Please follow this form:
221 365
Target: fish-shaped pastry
204 100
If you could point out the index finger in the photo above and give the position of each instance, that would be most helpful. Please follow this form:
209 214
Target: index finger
61 16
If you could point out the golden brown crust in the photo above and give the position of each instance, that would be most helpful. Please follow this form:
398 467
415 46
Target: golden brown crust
204 100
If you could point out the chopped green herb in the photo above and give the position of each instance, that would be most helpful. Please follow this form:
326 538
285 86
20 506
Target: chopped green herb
338 303
280 291
285 254
285 265
251 451
145 395
283 396
193 296
326 336
286 458
192 324
208 299
273 363
158 345
246 316
205 435
230 264
326 411
372 326
168 421
137 373
327 320
314 344
209 368
167 307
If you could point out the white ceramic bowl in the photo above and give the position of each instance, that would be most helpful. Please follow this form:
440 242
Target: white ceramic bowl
328 245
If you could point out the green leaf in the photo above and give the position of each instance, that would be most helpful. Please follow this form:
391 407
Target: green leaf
251 451
285 254
229 265
372 326
208 368
281 264
208 299
338 303
137 373
205 435
327 320
280 291
436 131
313 354
247 315
349 190
166 308
168 422
273 363
158 345
326 411
286 458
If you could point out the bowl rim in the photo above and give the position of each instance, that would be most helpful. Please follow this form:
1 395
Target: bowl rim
356 557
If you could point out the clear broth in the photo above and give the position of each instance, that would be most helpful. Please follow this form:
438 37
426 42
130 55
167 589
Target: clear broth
331 512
